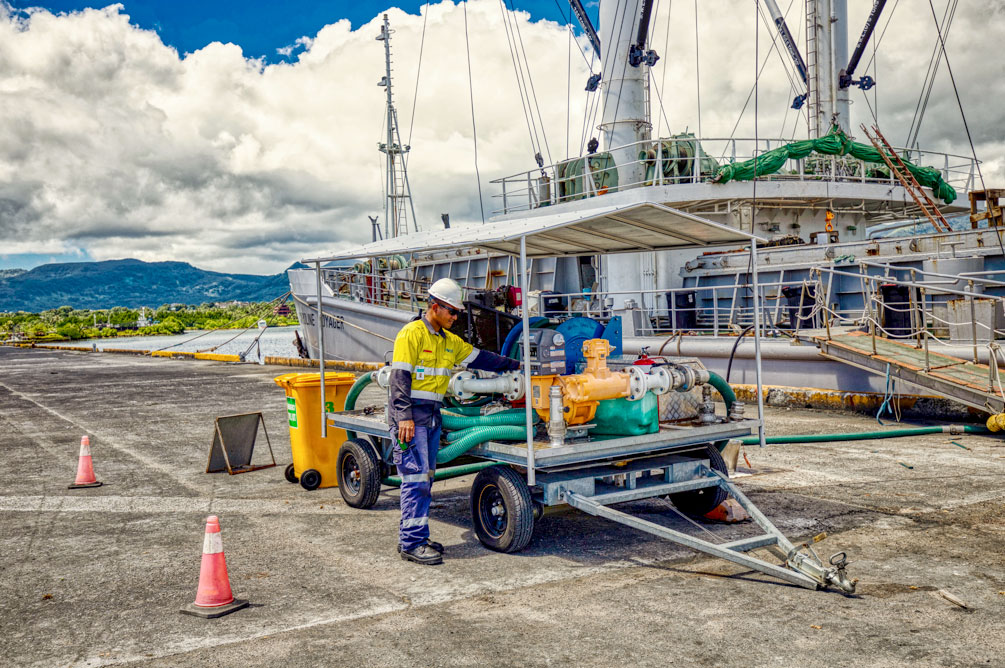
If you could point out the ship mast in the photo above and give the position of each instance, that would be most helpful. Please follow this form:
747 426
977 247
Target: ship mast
826 55
398 203
625 117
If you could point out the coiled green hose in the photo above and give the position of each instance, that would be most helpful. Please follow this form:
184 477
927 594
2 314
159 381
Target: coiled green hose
477 436
453 421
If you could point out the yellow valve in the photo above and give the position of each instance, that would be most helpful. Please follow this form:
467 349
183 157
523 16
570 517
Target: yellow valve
996 422
583 392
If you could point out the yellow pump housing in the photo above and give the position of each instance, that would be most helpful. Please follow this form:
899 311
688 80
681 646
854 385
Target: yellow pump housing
583 392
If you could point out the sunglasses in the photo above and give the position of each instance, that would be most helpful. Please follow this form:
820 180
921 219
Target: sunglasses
449 309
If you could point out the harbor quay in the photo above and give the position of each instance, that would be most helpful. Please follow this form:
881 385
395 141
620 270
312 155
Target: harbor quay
97 576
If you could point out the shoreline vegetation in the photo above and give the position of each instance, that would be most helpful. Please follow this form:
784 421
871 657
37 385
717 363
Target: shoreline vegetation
68 324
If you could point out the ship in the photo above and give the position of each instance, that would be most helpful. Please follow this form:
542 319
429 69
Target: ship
855 229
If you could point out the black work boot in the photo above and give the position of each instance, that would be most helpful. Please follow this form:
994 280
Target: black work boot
431 543
423 554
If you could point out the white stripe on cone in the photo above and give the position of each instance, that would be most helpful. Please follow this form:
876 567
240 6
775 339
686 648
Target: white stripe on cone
213 543
85 449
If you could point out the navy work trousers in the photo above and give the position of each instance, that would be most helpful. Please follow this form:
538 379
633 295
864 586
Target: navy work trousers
416 465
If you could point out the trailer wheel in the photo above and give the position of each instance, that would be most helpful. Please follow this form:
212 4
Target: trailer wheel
291 475
310 479
701 501
358 473
501 509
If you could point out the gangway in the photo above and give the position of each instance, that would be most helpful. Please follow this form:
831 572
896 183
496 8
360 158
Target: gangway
904 351
974 385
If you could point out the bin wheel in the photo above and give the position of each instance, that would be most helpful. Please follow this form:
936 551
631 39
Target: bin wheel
310 479
358 473
501 509
701 501
291 475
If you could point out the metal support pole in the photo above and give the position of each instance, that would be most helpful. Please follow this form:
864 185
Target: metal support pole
973 319
321 353
525 316
757 342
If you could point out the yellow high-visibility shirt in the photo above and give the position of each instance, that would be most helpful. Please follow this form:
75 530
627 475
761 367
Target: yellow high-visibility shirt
430 358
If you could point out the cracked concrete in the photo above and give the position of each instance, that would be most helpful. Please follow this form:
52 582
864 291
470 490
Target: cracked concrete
96 577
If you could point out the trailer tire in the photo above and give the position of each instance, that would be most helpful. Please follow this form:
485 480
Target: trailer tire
704 500
501 509
358 473
291 475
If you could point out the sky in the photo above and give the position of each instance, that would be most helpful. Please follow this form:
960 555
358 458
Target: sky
241 137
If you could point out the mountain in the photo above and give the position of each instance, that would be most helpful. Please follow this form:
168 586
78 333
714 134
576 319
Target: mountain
132 283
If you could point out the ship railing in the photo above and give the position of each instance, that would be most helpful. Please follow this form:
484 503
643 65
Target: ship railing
712 310
382 288
925 308
549 185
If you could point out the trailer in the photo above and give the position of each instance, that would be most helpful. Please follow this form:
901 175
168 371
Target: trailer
564 464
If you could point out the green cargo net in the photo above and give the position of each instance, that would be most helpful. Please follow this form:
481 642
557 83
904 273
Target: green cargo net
835 142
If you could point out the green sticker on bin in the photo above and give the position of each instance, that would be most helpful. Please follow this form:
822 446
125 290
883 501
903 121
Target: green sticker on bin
291 411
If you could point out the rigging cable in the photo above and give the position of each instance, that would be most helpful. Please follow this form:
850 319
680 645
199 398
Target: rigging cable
619 15
666 62
929 84
535 144
966 126
530 79
418 70
590 98
697 70
774 47
956 90
471 95
579 47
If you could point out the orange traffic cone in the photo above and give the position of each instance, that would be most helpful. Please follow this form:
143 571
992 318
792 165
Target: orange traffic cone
729 511
214 597
85 469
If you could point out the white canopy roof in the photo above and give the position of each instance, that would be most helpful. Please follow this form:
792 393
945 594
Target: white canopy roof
627 228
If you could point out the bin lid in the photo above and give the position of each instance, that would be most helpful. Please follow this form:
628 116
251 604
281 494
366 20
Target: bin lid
299 379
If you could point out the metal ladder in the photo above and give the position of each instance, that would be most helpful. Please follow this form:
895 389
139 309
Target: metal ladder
906 178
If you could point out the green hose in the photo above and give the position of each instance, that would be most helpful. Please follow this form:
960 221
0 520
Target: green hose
720 384
455 404
860 436
354 392
453 421
463 410
443 474
478 436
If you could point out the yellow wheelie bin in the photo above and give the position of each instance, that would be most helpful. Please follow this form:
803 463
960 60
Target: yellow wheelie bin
314 457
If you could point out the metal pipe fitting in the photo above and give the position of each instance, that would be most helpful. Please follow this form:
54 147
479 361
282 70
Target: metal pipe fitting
383 376
465 385
556 416
662 379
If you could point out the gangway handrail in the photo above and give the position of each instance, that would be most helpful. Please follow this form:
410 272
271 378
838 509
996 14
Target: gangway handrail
955 278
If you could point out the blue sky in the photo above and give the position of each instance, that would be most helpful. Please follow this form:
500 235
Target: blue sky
259 27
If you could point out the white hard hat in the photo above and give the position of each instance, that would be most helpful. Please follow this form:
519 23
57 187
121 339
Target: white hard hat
447 291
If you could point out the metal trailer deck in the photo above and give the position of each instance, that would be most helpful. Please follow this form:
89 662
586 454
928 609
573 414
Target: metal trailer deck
594 475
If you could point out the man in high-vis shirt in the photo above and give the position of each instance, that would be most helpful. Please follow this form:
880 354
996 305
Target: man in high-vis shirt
425 353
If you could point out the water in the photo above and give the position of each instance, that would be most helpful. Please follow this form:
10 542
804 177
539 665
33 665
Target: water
276 341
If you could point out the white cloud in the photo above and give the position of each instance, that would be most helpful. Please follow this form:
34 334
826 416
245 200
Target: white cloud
113 143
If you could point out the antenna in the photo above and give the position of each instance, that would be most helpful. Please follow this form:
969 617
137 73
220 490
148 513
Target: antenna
398 204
